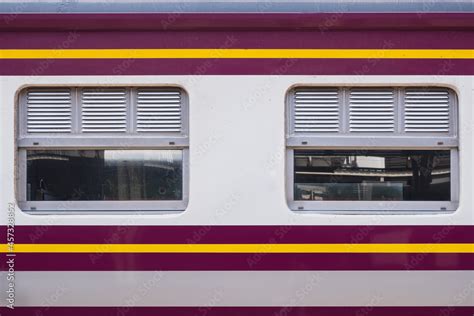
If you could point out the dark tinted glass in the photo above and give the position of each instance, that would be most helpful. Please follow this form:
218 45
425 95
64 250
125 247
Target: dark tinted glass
372 175
63 175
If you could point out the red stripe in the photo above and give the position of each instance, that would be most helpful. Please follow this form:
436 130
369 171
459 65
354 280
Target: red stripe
240 311
118 67
237 262
240 234
242 21
235 39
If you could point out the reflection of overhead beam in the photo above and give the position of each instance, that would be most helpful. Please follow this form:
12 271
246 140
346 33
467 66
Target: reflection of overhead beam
159 166
167 156
371 173
47 157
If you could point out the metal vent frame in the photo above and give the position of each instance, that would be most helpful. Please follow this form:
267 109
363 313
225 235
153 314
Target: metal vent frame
398 138
130 137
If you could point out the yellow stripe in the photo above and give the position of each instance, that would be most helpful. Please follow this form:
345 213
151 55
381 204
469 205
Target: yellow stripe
236 53
242 248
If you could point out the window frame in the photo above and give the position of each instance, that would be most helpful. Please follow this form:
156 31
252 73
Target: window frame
378 141
101 141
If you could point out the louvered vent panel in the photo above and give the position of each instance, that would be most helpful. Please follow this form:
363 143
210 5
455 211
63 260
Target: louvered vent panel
159 110
427 110
316 110
104 110
49 111
372 110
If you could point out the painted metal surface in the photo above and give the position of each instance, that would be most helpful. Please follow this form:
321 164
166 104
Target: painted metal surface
251 311
194 67
243 261
224 234
84 6
245 288
317 52
418 20
208 248
258 39
237 233
252 193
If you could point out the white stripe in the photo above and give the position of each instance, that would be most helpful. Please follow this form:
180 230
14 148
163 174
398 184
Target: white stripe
243 288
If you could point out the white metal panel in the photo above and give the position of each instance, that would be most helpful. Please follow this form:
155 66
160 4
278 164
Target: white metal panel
239 198
242 288
426 110
104 110
316 110
49 110
159 110
371 110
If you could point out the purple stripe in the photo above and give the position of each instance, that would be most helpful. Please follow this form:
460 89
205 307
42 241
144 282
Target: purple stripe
358 67
237 262
255 39
242 21
240 311
240 234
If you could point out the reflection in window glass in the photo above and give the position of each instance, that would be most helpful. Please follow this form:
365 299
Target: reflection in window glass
81 175
372 175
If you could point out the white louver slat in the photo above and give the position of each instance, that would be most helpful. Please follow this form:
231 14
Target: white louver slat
104 110
159 110
49 111
426 110
316 110
371 110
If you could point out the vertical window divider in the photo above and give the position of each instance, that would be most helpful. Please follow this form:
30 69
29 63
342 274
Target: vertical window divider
132 111
400 110
290 179
76 110
453 113
22 112
345 111
291 113
184 116
455 175
21 174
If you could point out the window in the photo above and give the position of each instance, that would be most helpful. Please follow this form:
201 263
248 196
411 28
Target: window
372 149
102 149
372 175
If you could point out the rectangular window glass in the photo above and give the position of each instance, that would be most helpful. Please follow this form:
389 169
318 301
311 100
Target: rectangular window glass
372 175
103 175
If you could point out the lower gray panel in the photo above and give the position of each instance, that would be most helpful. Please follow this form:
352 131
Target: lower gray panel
243 288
